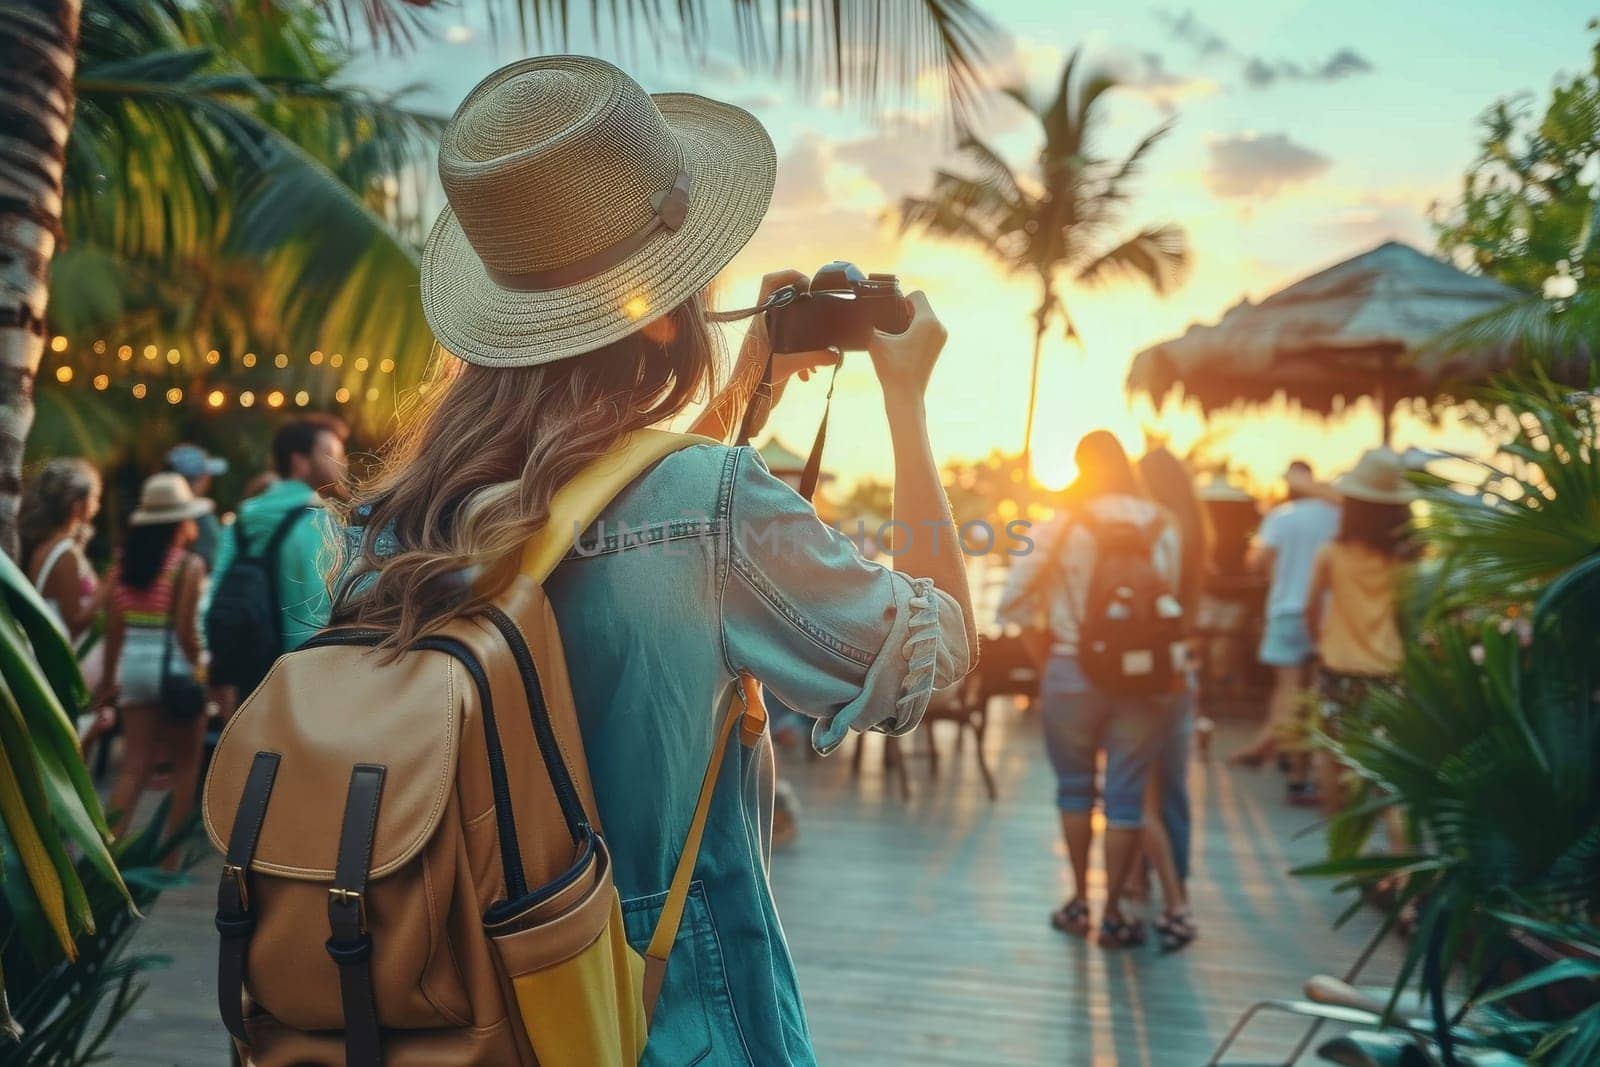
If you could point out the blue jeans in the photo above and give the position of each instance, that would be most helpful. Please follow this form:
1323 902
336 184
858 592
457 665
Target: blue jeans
1080 721
1172 769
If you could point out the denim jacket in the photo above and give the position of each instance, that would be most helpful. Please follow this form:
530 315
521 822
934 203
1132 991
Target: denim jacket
706 566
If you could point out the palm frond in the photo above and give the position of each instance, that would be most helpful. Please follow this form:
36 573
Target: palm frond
866 52
1158 256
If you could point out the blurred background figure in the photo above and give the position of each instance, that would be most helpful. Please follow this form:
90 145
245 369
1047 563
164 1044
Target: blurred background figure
1285 547
1168 820
1051 586
154 671
56 523
199 468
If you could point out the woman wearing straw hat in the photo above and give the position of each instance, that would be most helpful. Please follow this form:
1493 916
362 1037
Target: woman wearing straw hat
153 646
566 281
1353 611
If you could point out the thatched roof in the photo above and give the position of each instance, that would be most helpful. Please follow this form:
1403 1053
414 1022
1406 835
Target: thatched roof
1345 332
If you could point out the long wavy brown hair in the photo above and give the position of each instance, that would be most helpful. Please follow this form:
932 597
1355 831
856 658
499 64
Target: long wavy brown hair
469 477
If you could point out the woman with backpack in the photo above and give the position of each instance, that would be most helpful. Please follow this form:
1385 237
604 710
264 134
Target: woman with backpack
1167 817
567 283
153 662
1104 524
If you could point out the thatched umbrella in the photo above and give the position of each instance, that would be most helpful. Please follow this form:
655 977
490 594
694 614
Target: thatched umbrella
1352 330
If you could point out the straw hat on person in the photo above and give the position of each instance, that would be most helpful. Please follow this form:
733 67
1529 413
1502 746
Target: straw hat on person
1379 477
582 208
166 497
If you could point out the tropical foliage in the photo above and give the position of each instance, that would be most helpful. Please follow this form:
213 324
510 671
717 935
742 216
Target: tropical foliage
1060 220
1490 744
48 806
1527 216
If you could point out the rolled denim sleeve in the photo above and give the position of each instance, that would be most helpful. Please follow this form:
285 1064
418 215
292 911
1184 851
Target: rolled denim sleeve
835 636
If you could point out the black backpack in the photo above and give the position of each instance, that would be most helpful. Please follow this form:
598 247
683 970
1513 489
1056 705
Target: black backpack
243 624
1132 624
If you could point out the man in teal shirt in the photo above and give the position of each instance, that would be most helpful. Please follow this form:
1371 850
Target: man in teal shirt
308 453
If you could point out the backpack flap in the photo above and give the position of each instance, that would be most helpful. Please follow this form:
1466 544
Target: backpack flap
323 711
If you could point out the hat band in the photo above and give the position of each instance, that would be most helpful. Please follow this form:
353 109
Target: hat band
671 206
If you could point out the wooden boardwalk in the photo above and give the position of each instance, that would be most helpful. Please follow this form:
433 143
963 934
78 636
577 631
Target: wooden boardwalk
920 928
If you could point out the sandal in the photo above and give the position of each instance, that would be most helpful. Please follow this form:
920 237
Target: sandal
1072 918
1176 930
1117 932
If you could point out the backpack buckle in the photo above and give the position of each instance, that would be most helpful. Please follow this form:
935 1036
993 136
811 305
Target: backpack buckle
345 897
237 874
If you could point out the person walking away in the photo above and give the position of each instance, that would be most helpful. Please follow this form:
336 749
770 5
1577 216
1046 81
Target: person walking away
567 281
154 670
1106 530
1352 612
201 470
271 589
1284 547
1168 819
56 521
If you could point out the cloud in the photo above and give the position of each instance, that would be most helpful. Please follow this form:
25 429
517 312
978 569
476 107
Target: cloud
1148 76
1260 71
1260 164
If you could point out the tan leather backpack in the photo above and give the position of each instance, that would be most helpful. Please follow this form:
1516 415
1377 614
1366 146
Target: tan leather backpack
414 869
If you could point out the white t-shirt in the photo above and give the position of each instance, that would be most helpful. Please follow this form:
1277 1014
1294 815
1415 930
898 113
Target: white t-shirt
1295 531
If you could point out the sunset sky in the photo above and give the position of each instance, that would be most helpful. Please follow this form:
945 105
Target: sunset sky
1305 133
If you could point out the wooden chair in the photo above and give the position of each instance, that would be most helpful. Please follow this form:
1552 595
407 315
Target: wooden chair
1005 668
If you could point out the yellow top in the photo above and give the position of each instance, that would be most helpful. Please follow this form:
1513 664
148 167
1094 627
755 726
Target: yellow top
1360 633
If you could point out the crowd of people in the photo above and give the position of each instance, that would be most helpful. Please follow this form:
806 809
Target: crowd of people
140 625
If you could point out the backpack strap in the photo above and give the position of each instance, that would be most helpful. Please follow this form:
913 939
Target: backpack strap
666 931
577 504
350 945
236 920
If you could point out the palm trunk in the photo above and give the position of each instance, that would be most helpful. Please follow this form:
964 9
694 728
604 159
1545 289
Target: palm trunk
1041 324
38 59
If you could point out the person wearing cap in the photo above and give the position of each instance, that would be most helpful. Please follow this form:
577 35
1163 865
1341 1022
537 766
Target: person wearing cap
567 278
1352 612
152 630
200 468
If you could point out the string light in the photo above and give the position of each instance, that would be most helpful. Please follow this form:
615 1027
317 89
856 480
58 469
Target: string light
100 348
361 364
213 357
124 352
275 399
302 398
247 399
372 394
386 366
336 361
315 358
249 359
102 381
150 352
58 343
139 390
63 374
280 360
173 357
216 398
342 395
174 395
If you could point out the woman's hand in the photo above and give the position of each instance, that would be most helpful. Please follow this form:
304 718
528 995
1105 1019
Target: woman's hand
904 361
785 365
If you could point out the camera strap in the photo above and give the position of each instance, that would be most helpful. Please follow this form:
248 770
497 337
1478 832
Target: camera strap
759 406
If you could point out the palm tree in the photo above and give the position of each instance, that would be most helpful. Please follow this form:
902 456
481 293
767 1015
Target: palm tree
177 97
1053 223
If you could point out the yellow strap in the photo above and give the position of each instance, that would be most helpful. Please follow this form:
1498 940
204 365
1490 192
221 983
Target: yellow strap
666 932
577 504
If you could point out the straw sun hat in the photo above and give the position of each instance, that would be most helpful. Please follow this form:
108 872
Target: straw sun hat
166 497
1379 477
581 209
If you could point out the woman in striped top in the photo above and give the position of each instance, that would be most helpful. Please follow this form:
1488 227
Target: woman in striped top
155 591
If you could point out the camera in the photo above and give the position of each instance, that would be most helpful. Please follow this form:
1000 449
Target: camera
841 310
